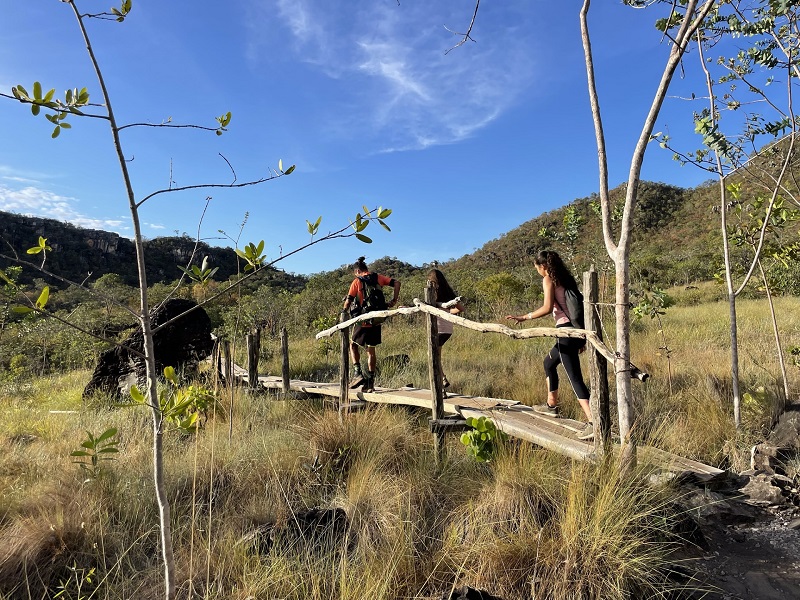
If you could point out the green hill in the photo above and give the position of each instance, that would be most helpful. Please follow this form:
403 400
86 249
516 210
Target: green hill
676 237
80 253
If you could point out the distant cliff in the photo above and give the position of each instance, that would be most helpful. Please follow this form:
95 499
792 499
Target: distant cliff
78 253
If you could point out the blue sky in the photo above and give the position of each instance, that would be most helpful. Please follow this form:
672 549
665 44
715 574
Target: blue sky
360 95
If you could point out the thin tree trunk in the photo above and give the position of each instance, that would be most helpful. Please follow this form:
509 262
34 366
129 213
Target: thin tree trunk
775 330
619 252
147 334
622 368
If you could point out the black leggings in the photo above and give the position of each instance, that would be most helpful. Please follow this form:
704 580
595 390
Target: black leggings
566 351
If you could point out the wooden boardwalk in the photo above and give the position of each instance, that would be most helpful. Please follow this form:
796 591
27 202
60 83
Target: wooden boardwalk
512 417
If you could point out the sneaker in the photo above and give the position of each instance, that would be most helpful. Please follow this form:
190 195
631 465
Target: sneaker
357 378
587 433
445 383
547 410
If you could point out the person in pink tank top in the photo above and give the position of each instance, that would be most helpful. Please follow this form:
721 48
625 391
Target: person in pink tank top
556 278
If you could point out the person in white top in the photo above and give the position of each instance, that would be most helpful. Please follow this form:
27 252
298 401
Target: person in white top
444 294
555 279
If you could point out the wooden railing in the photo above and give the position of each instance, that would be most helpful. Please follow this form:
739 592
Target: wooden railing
599 356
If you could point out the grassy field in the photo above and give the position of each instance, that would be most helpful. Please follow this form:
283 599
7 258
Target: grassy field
530 524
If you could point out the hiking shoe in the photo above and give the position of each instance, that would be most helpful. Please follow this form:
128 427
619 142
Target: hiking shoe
369 384
445 383
547 410
356 380
587 433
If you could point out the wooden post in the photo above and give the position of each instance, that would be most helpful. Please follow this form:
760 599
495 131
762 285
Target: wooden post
227 363
435 373
285 355
598 368
216 363
253 349
344 365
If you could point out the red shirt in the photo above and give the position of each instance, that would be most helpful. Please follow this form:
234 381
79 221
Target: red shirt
357 290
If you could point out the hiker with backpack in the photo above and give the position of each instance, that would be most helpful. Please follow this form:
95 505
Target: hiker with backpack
563 299
365 295
444 294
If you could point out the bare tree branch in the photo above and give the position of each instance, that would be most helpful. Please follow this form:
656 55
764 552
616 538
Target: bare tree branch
466 36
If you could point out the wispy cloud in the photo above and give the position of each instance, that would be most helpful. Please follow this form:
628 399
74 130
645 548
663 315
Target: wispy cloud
393 85
9 173
39 202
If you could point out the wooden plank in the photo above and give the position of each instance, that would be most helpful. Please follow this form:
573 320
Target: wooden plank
515 424
517 420
674 462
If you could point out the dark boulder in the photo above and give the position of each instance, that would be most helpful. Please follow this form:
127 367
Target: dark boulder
322 528
181 344
469 593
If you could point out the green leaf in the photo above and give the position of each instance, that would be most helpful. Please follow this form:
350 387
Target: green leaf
361 237
169 374
110 432
37 90
56 132
5 278
137 395
79 453
23 92
280 165
35 109
384 225
43 297
289 171
65 125
49 96
21 310
34 250
384 212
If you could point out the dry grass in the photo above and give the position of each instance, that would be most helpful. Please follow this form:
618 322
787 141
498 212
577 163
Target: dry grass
530 524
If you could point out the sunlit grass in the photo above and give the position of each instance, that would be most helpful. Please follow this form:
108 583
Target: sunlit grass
530 524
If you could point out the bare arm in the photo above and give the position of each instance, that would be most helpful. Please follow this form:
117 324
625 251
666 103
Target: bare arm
396 293
457 309
547 305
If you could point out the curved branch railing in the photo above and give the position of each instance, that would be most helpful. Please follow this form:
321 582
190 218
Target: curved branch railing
517 334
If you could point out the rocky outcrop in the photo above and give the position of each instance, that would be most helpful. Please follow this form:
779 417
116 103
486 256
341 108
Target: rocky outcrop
181 344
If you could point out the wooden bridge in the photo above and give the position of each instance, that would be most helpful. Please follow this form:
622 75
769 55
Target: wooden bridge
449 411
512 417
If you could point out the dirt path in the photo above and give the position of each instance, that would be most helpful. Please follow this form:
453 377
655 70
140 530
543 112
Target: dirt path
757 561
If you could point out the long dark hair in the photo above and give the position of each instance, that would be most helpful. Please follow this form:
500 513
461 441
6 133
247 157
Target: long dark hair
556 269
444 293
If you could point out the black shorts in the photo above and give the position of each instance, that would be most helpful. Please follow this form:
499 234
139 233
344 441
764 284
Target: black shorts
367 336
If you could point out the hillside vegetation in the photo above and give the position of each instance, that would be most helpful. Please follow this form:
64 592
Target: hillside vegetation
528 524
